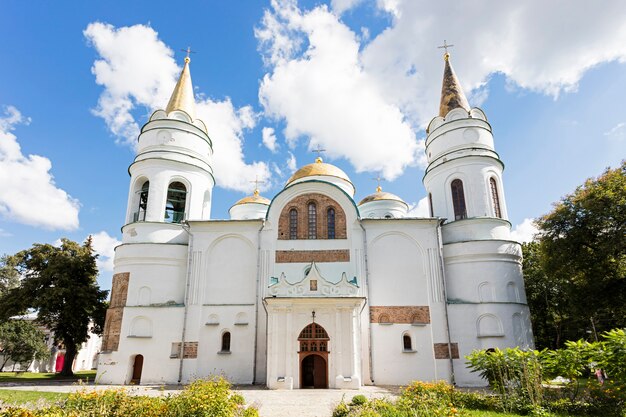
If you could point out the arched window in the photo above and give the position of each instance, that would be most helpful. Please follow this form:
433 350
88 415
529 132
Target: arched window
313 338
458 200
406 342
495 198
226 342
430 205
140 215
330 222
175 204
293 224
312 221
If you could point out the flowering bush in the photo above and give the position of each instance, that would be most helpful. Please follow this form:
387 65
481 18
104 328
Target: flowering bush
202 398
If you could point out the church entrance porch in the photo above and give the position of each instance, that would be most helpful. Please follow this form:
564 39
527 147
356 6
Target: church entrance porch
313 372
314 343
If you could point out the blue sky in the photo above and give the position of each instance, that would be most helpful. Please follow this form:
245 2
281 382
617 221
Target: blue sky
360 78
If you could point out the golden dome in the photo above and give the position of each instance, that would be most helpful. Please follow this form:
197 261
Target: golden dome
255 198
380 195
318 168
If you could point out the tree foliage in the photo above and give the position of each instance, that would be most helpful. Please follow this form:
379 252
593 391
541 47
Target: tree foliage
21 342
60 283
576 272
9 276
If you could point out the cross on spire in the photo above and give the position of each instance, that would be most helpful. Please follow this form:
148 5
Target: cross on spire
445 46
188 51
319 151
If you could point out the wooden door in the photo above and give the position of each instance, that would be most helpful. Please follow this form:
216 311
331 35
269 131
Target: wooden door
137 367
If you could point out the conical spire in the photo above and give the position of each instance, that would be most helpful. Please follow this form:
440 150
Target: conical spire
182 97
452 95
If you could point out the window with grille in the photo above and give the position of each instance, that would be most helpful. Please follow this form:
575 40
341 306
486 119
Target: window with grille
330 220
293 224
495 197
312 221
458 200
313 338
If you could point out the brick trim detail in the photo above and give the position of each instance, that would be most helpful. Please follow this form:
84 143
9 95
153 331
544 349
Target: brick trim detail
115 313
301 203
400 314
307 256
442 352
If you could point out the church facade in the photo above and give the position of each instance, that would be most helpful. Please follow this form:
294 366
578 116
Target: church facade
312 288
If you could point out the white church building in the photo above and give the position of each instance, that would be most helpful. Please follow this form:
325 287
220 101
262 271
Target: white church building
313 288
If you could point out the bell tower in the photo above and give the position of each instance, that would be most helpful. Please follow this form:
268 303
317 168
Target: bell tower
171 176
486 300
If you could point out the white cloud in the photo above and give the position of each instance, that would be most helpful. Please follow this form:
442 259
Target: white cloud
4 233
269 139
292 163
338 105
419 209
28 193
525 231
340 6
138 71
617 132
547 51
104 245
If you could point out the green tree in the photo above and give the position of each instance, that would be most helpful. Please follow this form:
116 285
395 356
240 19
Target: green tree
582 252
60 283
21 342
9 276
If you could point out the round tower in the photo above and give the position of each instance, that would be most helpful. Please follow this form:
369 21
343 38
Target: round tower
171 176
483 265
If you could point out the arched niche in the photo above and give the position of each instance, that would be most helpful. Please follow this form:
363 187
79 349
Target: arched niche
141 327
489 325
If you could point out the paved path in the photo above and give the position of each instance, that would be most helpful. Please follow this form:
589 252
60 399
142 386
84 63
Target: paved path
271 403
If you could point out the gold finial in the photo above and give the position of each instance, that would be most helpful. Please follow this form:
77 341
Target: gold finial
445 46
378 180
319 151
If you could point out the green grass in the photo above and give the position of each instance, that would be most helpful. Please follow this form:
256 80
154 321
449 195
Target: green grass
480 413
44 376
12 396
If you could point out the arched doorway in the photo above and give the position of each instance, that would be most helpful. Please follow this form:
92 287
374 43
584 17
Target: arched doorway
137 367
313 357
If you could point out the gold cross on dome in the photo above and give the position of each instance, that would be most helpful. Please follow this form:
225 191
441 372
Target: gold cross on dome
378 180
445 46
318 151
256 183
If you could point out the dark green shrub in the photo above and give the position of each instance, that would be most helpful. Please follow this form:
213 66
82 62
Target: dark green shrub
358 400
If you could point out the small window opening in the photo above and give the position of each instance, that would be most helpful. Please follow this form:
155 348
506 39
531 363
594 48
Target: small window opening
226 342
430 205
140 215
495 197
458 200
293 224
406 341
175 204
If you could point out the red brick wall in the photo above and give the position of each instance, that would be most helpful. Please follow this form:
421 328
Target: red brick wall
113 320
442 352
291 256
301 204
400 314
